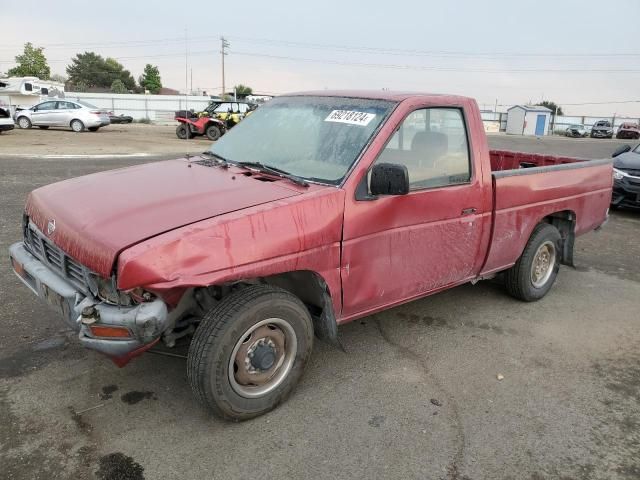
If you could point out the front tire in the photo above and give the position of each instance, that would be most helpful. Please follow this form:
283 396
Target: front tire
24 122
77 126
536 270
249 352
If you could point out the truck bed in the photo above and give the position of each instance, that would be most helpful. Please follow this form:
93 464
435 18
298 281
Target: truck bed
529 186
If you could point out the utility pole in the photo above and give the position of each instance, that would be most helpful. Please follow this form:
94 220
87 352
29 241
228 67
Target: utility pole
223 45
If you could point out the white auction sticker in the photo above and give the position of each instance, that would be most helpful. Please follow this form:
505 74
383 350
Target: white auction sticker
351 117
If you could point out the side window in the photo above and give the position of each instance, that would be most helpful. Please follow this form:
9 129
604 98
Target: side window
47 106
432 144
223 108
243 107
65 106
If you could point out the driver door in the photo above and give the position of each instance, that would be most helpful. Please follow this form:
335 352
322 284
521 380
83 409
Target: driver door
43 114
401 247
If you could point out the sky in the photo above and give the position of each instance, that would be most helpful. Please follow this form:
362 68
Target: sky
499 52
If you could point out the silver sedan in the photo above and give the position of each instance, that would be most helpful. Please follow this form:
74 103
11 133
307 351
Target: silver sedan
77 115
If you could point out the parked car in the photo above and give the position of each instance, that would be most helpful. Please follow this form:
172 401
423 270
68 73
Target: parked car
113 118
78 115
576 131
626 177
602 129
6 122
318 209
629 130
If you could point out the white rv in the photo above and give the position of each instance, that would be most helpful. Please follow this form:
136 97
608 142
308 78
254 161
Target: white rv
24 92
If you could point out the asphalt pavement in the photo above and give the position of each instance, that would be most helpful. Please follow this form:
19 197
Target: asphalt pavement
415 394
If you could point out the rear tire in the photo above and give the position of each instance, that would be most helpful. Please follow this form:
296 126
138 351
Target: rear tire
182 132
254 323
77 126
537 268
213 132
24 122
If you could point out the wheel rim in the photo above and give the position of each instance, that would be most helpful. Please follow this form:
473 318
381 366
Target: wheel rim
76 126
24 123
262 358
543 264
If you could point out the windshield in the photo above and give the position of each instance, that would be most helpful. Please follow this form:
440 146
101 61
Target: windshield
316 138
637 149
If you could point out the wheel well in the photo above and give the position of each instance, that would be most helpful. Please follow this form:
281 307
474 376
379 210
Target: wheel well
565 222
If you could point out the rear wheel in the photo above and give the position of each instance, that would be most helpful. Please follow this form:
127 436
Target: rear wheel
77 126
24 122
249 351
213 132
182 132
537 268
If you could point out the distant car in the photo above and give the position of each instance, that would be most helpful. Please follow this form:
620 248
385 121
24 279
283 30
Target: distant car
602 129
120 118
77 115
6 122
626 177
576 131
629 130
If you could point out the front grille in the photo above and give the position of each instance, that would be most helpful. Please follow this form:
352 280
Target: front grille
54 257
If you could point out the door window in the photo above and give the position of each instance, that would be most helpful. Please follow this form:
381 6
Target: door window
46 106
66 106
432 144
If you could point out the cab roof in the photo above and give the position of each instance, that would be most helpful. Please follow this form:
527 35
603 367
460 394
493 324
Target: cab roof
396 96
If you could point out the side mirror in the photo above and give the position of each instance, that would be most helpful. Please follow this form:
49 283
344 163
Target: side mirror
620 150
389 179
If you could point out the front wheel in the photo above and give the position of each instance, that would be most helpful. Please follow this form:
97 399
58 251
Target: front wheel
77 126
537 268
249 352
24 122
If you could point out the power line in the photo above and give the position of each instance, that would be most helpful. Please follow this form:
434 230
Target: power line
436 68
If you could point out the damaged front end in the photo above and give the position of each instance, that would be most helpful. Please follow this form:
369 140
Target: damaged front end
118 324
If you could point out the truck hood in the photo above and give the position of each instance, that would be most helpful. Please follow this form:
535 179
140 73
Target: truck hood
97 216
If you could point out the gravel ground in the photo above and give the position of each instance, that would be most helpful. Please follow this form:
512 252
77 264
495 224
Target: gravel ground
415 395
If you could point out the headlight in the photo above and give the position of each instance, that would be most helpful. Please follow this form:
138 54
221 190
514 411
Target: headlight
618 174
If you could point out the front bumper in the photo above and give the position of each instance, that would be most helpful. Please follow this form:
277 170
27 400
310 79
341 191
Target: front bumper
146 322
601 134
626 192
6 126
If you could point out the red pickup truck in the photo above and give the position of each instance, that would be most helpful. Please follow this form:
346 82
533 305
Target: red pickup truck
320 208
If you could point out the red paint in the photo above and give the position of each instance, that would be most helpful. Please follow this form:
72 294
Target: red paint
124 359
167 226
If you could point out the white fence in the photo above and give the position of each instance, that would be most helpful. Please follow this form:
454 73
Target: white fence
157 108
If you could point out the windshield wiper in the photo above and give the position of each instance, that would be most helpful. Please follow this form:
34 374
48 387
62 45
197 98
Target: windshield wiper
274 171
220 159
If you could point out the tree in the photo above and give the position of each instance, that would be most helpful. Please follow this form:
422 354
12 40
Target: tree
32 63
242 91
551 106
56 77
118 87
150 79
91 70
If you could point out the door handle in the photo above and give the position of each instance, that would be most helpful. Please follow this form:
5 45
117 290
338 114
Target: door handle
469 211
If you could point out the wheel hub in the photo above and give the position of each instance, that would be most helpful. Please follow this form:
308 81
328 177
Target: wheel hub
543 264
262 358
